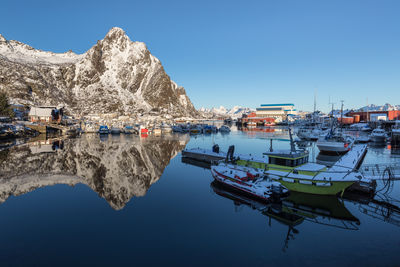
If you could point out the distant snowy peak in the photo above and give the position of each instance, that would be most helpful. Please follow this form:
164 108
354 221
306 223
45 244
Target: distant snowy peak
235 112
385 107
220 110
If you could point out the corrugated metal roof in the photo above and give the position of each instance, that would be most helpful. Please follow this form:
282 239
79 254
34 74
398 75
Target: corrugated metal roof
272 105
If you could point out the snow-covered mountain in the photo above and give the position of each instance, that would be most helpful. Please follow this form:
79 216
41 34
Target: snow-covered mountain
385 107
116 75
235 112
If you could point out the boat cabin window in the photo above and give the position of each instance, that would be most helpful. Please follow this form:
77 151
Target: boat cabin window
277 161
287 162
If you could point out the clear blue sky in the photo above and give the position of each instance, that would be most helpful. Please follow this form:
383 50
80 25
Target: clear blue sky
238 52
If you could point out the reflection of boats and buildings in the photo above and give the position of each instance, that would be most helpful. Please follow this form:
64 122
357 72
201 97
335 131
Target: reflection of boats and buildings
324 210
295 209
329 211
117 167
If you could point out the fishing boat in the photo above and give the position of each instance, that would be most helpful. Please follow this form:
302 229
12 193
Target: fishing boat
103 129
309 133
362 139
294 171
378 135
128 129
166 128
156 130
247 181
90 128
224 129
115 130
195 130
177 129
143 130
335 143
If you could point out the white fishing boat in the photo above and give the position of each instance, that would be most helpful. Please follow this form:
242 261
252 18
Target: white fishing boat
247 181
335 143
166 128
378 135
362 139
90 128
156 130
309 133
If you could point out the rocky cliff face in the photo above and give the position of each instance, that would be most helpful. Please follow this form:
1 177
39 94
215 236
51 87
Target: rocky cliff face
117 168
116 75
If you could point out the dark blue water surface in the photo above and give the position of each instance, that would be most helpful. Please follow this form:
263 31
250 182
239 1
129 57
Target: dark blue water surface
125 200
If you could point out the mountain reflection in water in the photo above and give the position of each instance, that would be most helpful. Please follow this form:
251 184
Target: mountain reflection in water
116 167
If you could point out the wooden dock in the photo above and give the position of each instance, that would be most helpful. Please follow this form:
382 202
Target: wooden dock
203 155
352 160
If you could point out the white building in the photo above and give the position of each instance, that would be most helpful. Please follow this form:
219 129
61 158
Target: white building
276 111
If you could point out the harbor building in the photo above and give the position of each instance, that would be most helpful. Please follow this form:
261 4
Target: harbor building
381 115
45 114
269 114
276 111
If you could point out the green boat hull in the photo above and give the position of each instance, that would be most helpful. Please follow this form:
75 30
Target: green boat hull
334 189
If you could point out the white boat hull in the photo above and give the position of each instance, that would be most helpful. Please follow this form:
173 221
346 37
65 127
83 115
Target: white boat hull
378 138
332 147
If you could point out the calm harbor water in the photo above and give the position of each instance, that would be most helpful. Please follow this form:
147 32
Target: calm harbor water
128 200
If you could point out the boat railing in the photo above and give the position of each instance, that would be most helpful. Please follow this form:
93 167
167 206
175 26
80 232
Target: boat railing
315 173
381 210
381 171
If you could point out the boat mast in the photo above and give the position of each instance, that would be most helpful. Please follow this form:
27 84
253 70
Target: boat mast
341 117
315 104
292 146
332 122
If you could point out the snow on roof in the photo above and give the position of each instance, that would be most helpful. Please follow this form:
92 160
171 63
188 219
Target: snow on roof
40 112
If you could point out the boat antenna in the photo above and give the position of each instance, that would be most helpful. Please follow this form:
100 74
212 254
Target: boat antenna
292 146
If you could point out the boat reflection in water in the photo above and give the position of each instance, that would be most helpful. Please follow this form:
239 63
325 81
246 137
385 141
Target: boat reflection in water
328 160
197 163
117 168
295 209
